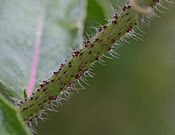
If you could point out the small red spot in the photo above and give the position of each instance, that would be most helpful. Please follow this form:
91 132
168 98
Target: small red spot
92 45
104 27
109 48
44 81
81 54
129 7
114 22
97 58
52 80
52 97
77 76
87 42
27 123
124 8
115 16
130 29
21 102
99 29
44 90
56 72
86 45
41 85
97 39
76 53
70 64
62 65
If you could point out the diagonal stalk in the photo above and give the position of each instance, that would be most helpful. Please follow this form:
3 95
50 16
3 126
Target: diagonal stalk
78 67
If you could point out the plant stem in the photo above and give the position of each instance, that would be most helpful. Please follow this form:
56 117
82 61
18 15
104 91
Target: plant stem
102 44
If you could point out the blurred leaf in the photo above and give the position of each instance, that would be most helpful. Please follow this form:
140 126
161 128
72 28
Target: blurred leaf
95 14
106 5
10 123
99 11
20 21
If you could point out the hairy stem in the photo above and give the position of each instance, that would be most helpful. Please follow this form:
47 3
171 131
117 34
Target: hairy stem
57 87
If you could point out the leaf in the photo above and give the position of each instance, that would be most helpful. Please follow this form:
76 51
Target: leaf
107 6
62 25
96 12
10 121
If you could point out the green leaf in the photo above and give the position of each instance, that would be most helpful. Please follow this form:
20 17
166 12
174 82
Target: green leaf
10 121
97 11
20 21
106 5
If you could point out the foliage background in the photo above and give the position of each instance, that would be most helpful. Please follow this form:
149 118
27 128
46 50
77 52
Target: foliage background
130 96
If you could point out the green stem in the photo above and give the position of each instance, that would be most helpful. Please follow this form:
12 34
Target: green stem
62 82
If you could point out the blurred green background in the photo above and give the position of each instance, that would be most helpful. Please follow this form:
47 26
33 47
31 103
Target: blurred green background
134 95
